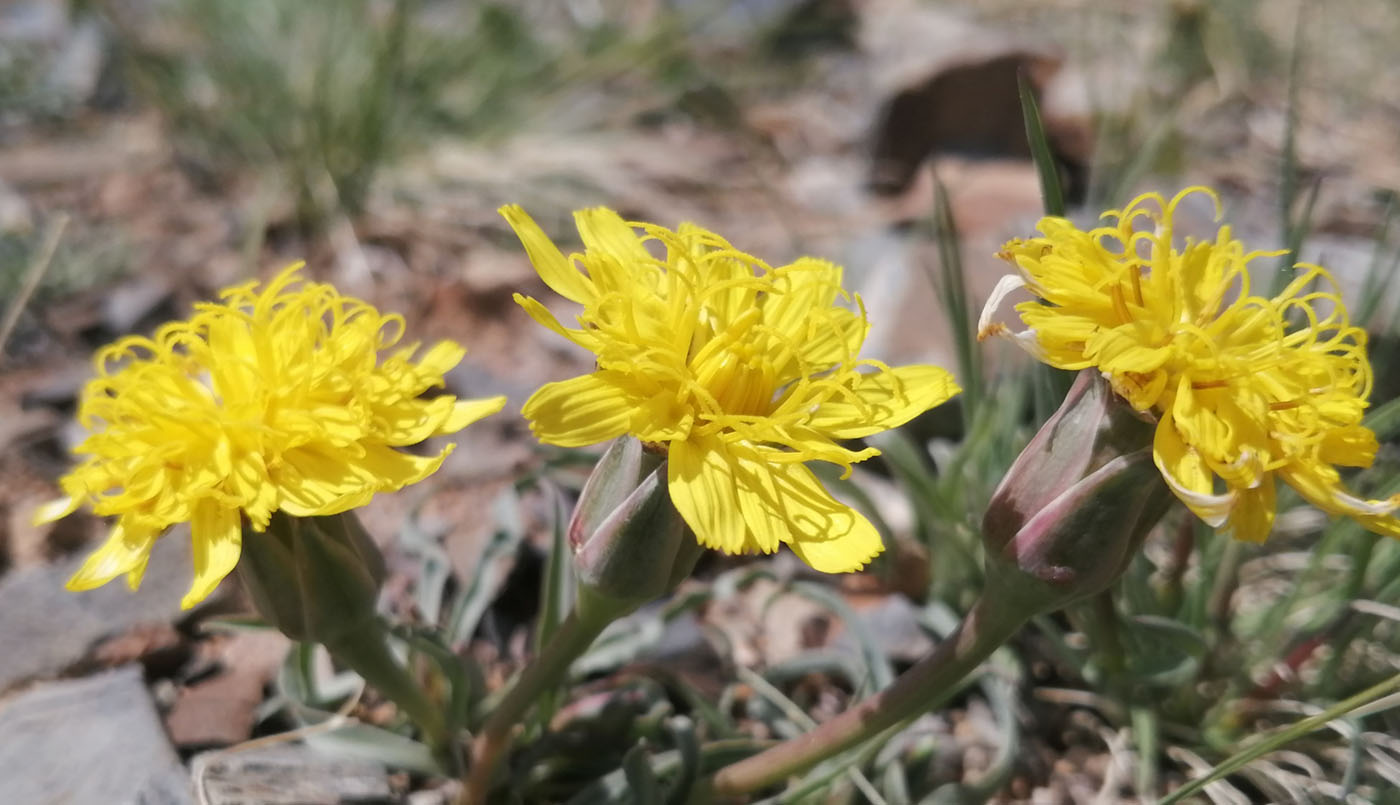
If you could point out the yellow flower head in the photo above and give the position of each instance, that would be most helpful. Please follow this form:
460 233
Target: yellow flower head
742 370
273 399
1245 388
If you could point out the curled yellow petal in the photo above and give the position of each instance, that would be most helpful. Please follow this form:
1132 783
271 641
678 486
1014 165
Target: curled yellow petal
284 395
1246 387
741 371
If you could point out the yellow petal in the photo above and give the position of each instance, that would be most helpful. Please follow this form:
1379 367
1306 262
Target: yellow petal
556 270
1253 516
1321 486
847 553
701 476
313 480
55 509
1200 425
883 400
123 551
584 410
1187 475
217 540
604 233
807 285
1351 446
541 314
441 358
465 412
393 469
411 421
782 501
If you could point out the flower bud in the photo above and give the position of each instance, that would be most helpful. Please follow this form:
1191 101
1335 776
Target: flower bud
314 578
1077 503
630 544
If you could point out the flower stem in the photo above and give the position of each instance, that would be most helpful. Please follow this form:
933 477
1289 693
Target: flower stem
366 652
573 636
985 627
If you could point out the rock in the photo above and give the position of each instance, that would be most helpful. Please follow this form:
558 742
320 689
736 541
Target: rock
16 215
47 629
92 741
77 66
289 774
129 303
222 709
33 22
893 626
992 201
950 87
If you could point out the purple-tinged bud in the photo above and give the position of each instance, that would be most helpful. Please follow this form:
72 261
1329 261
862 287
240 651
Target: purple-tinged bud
315 579
630 544
1077 503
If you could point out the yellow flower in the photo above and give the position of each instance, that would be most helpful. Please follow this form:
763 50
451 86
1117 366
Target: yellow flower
739 370
1246 389
272 400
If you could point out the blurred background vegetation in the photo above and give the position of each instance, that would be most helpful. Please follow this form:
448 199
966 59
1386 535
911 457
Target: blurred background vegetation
152 151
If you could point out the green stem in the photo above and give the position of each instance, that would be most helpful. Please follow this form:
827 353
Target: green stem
573 636
921 688
1147 735
1103 629
1223 587
366 652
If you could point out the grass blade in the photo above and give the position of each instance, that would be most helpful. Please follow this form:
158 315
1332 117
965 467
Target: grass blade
1378 278
952 287
1282 737
1050 191
556 591
1293 232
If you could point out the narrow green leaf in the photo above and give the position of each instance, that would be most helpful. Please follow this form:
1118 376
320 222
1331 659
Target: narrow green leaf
357 739
1385 420
1285 736
1378 274
556 592
1288 166
641 780
611 788
1050 191
1146 736
1294 231
951 283
1297 233
682 733
799 717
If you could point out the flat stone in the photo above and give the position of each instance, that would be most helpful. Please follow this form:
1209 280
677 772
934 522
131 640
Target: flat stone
96 740
45 629
289 774
891 623
222 709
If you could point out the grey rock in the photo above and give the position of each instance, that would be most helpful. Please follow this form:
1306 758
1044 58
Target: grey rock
16 216
288 774
893 626
45 629
77 66
33 21
96 740
127 304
